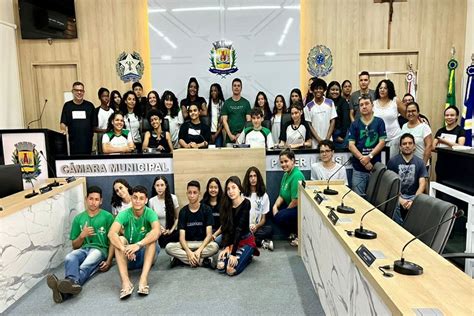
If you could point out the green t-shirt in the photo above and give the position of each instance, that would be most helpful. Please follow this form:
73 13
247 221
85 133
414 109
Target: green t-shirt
101 224
236 112
289 185
135 229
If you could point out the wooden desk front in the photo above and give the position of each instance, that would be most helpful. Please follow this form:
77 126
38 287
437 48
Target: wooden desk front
346 285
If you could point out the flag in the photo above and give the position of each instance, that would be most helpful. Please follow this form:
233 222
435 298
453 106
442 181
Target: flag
451 97
411 83
467 111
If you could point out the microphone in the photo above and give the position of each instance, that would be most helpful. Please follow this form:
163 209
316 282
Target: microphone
41 115
55 183
345 209
409 268
33 193
365 233
329 191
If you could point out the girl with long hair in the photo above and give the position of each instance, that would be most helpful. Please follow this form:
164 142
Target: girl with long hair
216 101
261 101
296 133
166 207
255 191
279 108
238 241
116 102
170 109
121 196
212 197
117 139
192 97
152 103
133 119
295 96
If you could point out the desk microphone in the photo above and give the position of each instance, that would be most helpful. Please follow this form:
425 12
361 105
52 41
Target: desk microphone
33 193
329 191
55 183
410 268
41 115
343 208
365 233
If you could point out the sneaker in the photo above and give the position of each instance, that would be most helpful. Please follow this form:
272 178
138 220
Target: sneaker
267 244
209 263
68 286
292 236
175 262
52 282
294 242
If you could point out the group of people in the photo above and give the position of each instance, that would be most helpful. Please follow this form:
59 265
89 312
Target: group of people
223 230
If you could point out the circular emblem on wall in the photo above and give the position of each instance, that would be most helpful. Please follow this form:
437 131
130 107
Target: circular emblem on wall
452 64
319 61
470 71
222 57
29 159
129 66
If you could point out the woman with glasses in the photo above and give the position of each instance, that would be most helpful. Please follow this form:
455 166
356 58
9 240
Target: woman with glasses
326 167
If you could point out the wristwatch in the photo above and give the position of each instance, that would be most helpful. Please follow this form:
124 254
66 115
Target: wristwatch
371 156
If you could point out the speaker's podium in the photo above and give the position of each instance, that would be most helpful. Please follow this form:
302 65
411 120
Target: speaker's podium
30 148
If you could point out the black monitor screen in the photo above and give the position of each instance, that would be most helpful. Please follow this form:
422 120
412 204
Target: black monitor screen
11 180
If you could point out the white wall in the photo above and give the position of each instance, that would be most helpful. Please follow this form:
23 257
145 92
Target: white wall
253 33
11 105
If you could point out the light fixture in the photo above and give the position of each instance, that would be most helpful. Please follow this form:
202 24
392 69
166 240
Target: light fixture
269 54
160 34
255 7
156 10
285 31
291 7
166 57
197 9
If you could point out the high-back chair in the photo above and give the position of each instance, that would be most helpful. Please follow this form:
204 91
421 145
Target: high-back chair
388 187
374 180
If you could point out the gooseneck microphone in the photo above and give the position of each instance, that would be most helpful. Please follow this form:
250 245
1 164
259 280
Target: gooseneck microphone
409 268
55 183
33 193
41 115
365 233
343 208
329 191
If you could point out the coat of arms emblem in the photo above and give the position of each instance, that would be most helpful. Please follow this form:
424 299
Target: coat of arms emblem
130 66
29 159
223 58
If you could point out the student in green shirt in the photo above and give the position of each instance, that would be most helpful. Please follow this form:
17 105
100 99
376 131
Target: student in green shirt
285 209
137 247
91 248
235 112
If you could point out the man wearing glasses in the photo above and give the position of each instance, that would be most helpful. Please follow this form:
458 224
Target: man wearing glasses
323 169
77 121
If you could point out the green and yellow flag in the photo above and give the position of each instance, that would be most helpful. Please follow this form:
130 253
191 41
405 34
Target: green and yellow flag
451 97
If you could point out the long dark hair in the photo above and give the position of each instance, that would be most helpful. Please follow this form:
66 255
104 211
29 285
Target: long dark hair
169 96
334 83
136 109
191 80
220 98
284 109
260 189
297 91
390 89
114 106
226 214
169 205
116 201
110 126
206 199
266 107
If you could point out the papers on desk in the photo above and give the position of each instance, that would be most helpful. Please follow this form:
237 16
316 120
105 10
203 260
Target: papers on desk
459 147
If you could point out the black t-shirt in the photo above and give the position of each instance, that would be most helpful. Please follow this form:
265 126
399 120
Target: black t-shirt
80 120
215 214
458 131
197 133
241 228
199 101
195 224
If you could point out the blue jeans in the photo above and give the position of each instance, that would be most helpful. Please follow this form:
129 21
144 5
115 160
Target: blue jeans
140 257
397 215
219 142
82 263
244 257
359 182
287 219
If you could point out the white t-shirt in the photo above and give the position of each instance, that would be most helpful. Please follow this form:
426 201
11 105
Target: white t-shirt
175 124
103 117
158 206
260 205
117 141
132 123
296 136
318 172
320 116
276 128
389 115
216 113
256 139
419 132
121 208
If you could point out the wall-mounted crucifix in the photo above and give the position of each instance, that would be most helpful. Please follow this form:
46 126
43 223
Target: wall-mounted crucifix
390 15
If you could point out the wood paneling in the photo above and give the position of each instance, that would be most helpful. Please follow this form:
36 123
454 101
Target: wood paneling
192 164
350 26
105 29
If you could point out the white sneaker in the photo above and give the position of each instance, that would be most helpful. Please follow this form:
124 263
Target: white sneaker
267 244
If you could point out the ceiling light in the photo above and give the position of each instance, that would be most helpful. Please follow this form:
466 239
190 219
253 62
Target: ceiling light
269 53
156 10
170 42
291 7
255 7
197 9
160 34
166 57
285 31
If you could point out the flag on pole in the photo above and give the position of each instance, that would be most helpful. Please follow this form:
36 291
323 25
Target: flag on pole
467 111
451 97
411 83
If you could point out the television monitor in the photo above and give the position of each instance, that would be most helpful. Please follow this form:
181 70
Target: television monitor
47 19
10 179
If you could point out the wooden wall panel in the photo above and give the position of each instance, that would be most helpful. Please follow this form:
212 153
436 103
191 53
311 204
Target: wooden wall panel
105 29
350 26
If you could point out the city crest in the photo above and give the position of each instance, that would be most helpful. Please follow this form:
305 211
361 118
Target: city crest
130 67
223 57
29 159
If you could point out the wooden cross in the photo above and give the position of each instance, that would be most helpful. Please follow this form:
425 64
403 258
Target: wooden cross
390 15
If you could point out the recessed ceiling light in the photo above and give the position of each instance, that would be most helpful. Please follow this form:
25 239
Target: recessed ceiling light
255 7
291 7
156 10
197 9
269 53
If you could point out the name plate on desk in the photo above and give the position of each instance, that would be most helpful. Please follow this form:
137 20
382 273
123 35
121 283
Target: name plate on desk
365 255
333 217
318 198
303 183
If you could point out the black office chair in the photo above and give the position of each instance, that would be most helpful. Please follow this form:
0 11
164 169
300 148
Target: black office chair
206 120
166 125
285 118
267 124
425 212
388 187
374 181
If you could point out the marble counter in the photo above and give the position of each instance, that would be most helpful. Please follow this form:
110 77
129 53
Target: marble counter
35 239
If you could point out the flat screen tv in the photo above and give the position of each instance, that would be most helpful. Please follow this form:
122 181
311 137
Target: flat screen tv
10 179
47 19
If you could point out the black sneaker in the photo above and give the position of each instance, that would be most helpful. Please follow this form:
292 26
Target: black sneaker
52 282
175 262
67 286
209 263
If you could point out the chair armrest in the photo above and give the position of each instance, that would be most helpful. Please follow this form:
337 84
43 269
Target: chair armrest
456 255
